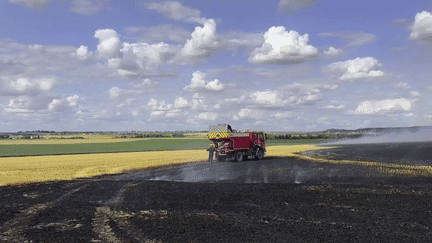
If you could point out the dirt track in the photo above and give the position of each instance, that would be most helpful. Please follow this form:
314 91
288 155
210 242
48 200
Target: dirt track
274 200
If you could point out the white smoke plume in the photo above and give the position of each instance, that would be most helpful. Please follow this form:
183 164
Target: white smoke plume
407 135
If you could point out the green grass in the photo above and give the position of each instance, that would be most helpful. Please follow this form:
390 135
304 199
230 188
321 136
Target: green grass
133 146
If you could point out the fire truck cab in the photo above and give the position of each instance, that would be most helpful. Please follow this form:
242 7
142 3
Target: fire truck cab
233 145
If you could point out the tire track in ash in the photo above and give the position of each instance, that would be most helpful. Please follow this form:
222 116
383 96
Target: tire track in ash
12 230
105 215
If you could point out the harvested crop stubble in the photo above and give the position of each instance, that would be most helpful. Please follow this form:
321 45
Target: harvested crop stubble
15 170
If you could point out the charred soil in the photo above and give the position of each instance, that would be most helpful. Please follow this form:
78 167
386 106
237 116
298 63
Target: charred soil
136 208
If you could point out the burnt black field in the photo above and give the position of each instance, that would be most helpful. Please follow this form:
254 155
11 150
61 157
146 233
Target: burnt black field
273 200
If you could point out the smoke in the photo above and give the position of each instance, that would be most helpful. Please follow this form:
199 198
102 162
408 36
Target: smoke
407 135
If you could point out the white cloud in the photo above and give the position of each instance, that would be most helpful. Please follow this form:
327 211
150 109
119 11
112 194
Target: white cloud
203 42
175 10
159 105
73 100
250 114
383 106
415 93
334 107
181 103
283 115
88 7
198 83
354 38
82 52
421 29
293 5
267 98
26 86
333 51
207 116
64 105
140 59
281 46
19 106
145 84
116 92
402 85
358 68
160 109
55 105
109 43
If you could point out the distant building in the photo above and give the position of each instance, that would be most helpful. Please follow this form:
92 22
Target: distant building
5 136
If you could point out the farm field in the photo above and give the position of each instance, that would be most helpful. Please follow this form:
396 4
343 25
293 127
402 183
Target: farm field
96 144
100 146
65 167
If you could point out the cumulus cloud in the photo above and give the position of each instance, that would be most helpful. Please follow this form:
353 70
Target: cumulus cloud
176 10
383 106
132 60
421 29
282 47
203 42
250 114
354 38
402 85
73 100
267 98
109 43
198 83
26 86
293 5
358 68
333 51
207 116
181 103
82 52
19 106
64 105
88 7
160 109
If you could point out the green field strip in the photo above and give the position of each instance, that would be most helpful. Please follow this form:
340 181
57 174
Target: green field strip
132 146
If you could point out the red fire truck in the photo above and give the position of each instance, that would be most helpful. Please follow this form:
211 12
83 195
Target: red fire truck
233 145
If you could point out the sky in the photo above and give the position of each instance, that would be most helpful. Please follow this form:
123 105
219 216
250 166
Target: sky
286 65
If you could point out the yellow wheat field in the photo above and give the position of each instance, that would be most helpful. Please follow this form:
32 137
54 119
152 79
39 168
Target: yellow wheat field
15 170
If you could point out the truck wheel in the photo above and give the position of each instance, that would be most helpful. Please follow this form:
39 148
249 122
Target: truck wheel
239 156
220 158
260 154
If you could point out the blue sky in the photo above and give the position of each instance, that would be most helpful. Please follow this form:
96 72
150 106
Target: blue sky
288 65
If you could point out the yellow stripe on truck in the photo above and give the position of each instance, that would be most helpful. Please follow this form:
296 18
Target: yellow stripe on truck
217 135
